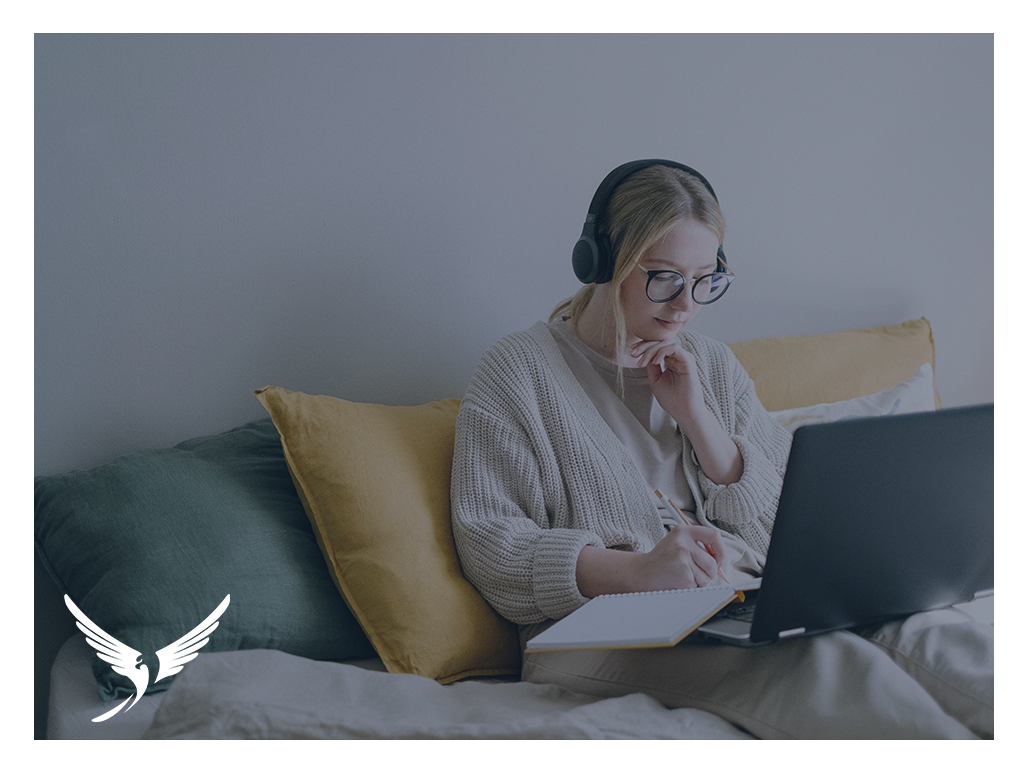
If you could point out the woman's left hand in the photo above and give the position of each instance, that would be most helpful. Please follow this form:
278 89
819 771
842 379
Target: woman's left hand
678 387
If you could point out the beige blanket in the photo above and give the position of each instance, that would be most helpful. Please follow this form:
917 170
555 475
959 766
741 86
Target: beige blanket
269 694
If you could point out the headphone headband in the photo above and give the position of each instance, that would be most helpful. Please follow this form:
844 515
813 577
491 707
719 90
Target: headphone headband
592 257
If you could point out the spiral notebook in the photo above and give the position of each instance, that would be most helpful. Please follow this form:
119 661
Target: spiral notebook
625 620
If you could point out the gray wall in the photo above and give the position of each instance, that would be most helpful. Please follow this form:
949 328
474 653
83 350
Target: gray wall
362 216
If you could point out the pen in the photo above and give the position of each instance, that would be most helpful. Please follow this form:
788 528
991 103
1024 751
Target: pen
671 506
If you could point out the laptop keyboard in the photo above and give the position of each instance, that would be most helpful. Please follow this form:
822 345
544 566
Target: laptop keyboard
744 612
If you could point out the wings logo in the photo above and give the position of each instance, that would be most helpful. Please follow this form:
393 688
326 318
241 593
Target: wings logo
126 661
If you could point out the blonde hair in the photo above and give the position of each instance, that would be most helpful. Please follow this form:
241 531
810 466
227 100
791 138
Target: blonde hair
640 211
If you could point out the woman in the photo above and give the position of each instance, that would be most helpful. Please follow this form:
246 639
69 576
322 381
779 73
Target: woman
567 430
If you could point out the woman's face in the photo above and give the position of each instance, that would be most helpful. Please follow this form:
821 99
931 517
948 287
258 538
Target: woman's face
689 247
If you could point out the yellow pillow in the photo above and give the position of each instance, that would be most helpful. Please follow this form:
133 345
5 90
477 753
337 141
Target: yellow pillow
375 482
800 370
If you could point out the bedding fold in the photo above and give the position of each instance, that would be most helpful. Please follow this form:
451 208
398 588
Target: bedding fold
269 694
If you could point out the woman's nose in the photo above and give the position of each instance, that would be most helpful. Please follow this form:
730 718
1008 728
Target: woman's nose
684 301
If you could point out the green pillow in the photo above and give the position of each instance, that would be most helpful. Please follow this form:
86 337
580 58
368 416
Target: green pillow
149 544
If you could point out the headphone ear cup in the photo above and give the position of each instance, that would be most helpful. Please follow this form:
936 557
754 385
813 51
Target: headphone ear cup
591 257
584 260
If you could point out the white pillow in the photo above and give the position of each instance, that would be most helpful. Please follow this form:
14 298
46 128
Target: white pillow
910 396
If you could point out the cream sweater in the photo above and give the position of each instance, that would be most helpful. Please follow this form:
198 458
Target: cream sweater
538 474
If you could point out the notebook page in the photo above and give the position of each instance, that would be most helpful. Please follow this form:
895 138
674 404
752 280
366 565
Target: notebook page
656 619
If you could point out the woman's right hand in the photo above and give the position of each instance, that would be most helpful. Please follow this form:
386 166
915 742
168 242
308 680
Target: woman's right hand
682 559
687 557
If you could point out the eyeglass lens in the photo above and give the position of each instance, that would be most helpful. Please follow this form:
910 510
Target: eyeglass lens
663 286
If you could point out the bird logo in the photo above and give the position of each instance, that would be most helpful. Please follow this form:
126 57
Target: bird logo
126 661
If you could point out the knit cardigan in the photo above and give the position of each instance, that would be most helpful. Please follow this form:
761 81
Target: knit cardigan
538 474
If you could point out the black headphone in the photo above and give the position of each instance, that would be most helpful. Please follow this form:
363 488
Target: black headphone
592 257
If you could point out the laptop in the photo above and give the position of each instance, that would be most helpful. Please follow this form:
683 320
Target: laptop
878 518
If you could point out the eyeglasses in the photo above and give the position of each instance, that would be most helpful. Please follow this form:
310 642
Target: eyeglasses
663 286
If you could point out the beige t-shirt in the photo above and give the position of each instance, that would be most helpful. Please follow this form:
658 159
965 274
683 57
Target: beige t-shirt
649 433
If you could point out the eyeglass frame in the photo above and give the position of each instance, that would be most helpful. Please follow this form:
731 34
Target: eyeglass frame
652 273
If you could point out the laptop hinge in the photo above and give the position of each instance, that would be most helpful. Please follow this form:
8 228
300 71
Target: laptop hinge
792 632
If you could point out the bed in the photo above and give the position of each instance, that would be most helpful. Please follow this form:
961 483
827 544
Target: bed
327 525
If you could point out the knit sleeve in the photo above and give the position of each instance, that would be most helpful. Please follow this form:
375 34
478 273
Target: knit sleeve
503 487
748 507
